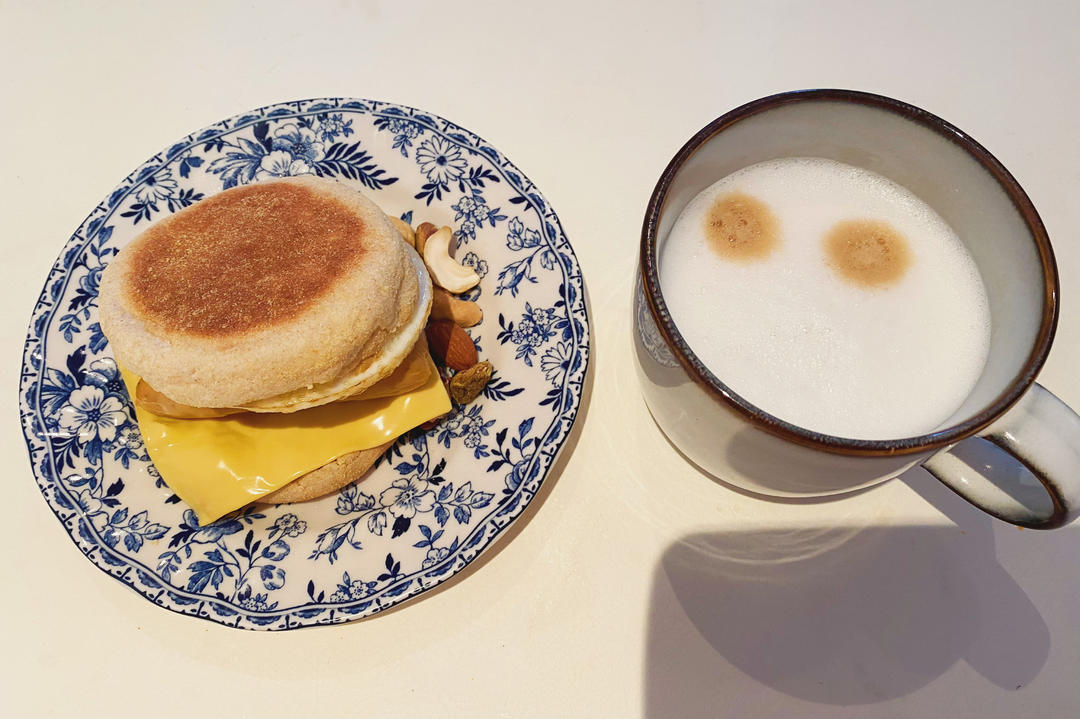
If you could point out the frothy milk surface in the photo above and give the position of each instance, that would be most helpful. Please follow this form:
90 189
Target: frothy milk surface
794 334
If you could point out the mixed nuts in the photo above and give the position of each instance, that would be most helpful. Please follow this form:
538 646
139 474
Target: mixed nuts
448 342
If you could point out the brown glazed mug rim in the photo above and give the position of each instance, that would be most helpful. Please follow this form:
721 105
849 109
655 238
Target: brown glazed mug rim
701 375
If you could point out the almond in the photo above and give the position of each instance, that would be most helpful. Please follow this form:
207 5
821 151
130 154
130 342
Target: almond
451 345
444 306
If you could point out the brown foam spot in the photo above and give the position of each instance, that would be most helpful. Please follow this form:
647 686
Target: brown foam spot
868 253
245 259
741 227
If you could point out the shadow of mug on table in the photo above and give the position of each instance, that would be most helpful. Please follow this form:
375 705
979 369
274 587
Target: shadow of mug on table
744 445
834 615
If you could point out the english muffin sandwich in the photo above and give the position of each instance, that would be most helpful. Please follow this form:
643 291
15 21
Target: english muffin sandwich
272 339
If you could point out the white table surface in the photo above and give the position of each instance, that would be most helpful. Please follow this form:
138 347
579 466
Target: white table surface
637 587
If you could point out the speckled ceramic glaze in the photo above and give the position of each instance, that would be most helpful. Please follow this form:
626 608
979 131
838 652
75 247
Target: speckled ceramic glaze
744 445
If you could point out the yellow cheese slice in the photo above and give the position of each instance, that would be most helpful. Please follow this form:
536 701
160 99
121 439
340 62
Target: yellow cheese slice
218 465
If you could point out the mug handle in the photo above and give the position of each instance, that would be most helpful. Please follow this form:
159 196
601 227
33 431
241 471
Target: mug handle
1042 434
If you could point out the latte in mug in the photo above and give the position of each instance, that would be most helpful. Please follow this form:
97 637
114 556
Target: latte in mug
828 296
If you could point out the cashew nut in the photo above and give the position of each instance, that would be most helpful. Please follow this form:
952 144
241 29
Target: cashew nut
444 306
423 231
447 272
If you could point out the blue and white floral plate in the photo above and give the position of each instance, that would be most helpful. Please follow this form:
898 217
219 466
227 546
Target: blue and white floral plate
436 501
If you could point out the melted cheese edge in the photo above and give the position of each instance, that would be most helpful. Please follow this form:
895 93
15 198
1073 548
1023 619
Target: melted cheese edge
219 465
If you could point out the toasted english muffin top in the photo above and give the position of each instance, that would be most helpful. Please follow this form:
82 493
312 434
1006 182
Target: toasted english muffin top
259 291
244 259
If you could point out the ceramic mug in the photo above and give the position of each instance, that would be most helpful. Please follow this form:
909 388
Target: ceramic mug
1035 482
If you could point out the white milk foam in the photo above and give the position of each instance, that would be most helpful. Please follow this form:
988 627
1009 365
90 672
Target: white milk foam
793 338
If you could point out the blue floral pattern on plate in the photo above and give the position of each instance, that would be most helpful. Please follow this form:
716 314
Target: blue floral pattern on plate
436 500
